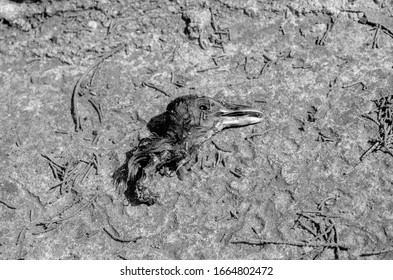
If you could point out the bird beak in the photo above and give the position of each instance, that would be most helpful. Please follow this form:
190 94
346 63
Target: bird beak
233 115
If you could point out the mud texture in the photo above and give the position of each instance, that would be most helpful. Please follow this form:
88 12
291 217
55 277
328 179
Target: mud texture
79 81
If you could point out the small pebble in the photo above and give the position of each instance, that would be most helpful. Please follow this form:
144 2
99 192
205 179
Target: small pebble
92 24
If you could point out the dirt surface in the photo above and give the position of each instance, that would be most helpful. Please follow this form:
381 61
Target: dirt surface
80 79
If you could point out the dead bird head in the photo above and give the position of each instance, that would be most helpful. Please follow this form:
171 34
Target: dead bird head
191 116
176 135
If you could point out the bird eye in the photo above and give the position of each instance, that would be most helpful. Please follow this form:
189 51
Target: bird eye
203 107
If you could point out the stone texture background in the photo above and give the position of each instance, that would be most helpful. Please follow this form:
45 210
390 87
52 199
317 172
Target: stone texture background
284 189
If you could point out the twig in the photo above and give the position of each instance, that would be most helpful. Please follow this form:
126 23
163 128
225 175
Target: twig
155 87
366 254
122 240
213 21
329 26
375 44
218 147
97 108
74 105
21 236
290 243
302 66
52 161
7 205
235 173
354 84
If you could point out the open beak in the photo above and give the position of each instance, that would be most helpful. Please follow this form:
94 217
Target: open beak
233 115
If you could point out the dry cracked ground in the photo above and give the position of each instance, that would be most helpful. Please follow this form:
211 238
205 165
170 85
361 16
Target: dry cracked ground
80 80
